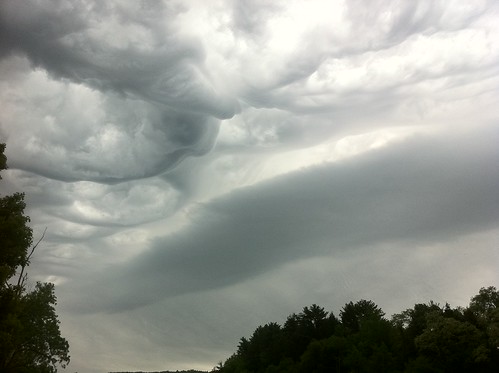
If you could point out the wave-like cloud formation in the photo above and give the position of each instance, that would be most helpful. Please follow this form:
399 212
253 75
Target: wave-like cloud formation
140 96
128 90
142 58
396 195
237 152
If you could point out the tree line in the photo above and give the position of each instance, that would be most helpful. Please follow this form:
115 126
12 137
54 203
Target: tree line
425 338
168 371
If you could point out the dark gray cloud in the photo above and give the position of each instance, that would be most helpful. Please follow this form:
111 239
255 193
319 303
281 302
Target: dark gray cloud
424 190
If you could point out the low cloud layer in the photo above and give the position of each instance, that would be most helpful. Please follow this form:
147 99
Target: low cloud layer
395 195
206 168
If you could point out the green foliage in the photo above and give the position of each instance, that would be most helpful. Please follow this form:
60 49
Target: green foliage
483 306
310 324
353 316
451 344
30 339
169 371
15 236
3 159
426 338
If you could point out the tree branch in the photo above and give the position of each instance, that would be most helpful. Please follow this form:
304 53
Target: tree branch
22 277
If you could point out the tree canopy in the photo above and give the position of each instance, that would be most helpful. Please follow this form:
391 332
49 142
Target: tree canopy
30 339
425 338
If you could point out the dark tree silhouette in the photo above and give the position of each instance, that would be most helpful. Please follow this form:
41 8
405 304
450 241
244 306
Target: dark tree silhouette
354 315
30 339
426 338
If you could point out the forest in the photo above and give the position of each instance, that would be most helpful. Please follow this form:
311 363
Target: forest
425 338
168 371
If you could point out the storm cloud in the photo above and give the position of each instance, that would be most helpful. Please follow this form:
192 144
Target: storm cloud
204 168
393 196
149 101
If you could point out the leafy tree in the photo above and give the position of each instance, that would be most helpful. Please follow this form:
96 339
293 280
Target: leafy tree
427 338
15 235
354 315
30 339
310 324
286 365
313 315
318 357
483 306
317 322
450 344
264 347
411 323
483 312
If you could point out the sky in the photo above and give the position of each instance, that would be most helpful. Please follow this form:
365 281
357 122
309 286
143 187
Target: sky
206 167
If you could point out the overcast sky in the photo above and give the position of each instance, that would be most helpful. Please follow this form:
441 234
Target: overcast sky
205 167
